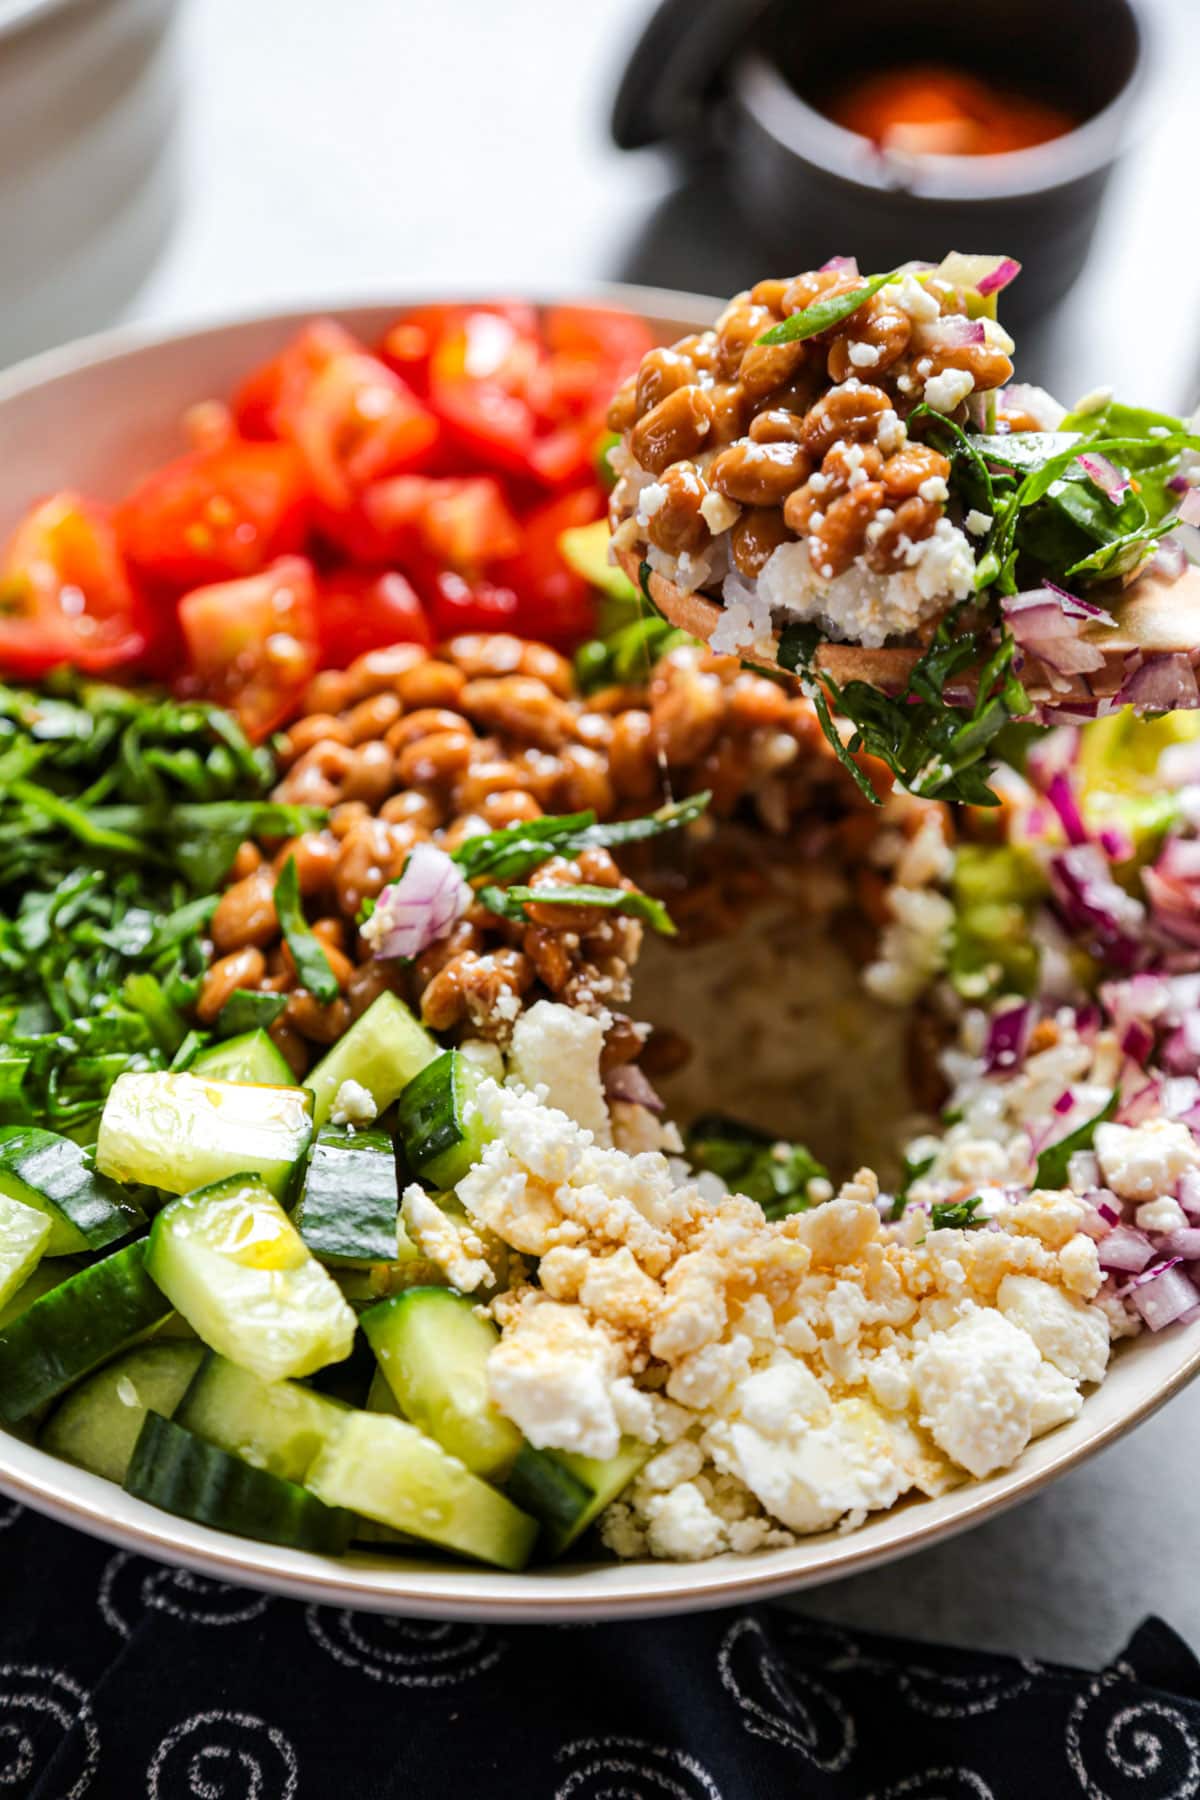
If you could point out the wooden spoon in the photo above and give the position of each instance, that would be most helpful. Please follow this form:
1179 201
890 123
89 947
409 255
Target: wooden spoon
1152 615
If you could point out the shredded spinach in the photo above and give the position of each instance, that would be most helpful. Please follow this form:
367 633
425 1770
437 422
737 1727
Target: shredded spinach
312 964
119 815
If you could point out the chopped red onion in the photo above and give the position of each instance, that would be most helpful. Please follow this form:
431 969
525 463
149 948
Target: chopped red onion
1163 683
1006 269
1137 1040
1188 1193
1180 1094
1126 1249
1116 846
1145 1104
1179 484
841 265
1092 902
1189 507
1109 1207
1169 561
412 913
1185 1242
1164 1295
1065 1102
1061 796
1007 1033
1104 474
1047 623
953 331
1181 1052
1058 750
629 1083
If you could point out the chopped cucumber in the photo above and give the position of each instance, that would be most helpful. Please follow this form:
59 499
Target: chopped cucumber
274 1425
97 1424
54 1176
433 1348
184 1475
23 1235
382 1051
45 1275
231 1261
75 1327
250 1058
380 1397
394 1474
569 1492
438 1121
348 1211
179 1132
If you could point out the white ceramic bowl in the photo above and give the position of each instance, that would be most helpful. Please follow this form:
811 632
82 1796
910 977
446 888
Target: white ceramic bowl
94 416
89 99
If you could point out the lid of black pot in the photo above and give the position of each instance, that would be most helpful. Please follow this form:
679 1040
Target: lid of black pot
676 64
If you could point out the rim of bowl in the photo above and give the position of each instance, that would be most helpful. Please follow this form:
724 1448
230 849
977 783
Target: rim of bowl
78 1499
771 101
670 305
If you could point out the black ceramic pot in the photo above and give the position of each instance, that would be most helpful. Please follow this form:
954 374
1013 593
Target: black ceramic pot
746 79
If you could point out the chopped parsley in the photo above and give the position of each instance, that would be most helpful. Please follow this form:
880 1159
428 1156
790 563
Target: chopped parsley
312 964
914 1168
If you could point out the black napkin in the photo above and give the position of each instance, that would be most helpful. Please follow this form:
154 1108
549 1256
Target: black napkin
123 1678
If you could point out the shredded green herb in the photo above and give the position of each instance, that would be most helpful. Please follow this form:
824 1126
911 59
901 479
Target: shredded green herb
770 1170
510 902
821 314
1053 1163
913 1170
312 964
516 850
120 813
949 1214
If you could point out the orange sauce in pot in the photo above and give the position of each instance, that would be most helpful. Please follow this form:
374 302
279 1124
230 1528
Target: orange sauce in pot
931 110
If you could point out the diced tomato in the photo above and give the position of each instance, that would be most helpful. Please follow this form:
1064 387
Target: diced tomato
555 604
460 606
66 595
360 611
352 418
461 521
253 643
481 367
217 514
611 342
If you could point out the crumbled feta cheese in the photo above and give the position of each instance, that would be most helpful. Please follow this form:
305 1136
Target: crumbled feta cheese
353 1104
1069 1333
978 523
977 1385
551 1374
1161 1215
719 512
1142 1162
934 488
864 356
558 1048
449 1243
945 391
911 296
681 1525
861 606
651 500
